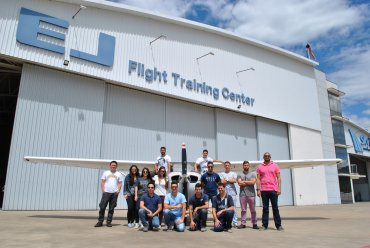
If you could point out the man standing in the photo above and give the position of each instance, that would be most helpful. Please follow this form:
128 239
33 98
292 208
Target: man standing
174 209
198 210
269 188
201 163
163 160
222 210
150 206
111 183
246 181
209 181
228 178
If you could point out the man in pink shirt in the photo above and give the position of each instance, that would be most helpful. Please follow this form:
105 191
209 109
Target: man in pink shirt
269 188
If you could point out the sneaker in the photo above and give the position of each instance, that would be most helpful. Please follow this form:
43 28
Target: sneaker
280 228
146 228
156 228
99 224
229 230
130 225
169 228
235 225
241 226
137 225
109 224
141 226
263 228
255 227
203 229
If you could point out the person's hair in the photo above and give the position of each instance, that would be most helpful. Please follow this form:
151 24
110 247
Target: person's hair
205 150
245 162
164 174
132 177
151 183
174 183
227 162
163 147
113 162
198 185
220 184
149 175
210 162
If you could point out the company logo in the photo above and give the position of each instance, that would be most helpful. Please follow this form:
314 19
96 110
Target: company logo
30 31
360 143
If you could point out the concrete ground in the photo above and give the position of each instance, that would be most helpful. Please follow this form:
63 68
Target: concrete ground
309 226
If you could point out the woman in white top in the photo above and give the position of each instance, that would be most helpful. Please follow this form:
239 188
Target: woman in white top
161 186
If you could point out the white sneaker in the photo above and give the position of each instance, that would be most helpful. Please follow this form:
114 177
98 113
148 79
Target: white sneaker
130 225
141 226
137 225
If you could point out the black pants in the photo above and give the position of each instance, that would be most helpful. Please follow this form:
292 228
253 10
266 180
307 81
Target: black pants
132 213
272 196
106 198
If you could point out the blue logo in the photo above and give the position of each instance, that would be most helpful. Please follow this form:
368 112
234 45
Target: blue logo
29 30
360 144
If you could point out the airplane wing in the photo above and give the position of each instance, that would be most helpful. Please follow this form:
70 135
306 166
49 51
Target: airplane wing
125 164
283 164
90 163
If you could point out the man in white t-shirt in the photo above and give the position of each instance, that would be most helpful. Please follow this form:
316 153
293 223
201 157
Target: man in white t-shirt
163 160
111 184
229 178
200 165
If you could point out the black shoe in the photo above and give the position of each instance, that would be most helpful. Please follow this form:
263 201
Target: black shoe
241 226
255 227
99 224
280 228
109 224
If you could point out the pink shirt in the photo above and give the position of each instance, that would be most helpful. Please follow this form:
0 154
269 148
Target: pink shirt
268 175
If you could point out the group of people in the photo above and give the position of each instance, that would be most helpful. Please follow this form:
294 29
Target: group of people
150 206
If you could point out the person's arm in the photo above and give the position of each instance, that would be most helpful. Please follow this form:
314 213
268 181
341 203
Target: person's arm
136 189
279 183
204 206
102 185
196 167
159 209
183 213
156 167
258 185
119 186
192 223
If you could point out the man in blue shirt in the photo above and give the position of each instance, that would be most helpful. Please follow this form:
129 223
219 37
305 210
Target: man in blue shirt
198 210
150 206
222 210
209 181
174 209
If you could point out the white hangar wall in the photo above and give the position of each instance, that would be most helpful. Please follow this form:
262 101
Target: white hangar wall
108 113
279 76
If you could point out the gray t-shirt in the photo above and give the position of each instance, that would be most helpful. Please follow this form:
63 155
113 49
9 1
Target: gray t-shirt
247 190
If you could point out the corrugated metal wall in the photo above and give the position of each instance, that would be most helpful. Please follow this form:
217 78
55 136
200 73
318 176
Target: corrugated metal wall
60 115
64 115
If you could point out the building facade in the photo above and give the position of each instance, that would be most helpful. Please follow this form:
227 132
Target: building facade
113 82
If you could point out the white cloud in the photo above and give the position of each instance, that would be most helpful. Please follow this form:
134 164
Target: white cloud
167 7
353 76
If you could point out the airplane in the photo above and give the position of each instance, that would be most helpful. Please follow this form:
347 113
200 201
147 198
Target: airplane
185 178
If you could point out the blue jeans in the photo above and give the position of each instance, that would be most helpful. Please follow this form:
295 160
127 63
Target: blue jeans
200 218
272 196
170 219
226 218
144 218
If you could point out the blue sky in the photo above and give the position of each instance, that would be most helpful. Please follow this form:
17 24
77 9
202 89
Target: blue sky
338 31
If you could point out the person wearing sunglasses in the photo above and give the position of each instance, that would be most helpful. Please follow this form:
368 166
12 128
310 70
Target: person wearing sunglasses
141 189
209 181
150 207
269 189
161 187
